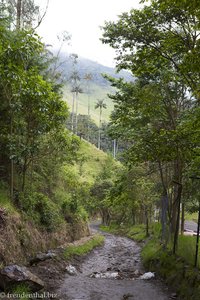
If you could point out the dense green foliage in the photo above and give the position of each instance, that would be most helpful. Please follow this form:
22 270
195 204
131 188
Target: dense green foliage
159 112
37 152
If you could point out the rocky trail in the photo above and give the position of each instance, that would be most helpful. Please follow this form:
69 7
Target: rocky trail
110 272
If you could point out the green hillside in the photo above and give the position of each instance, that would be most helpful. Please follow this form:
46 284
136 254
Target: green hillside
96 92
98 86
62 206
93 162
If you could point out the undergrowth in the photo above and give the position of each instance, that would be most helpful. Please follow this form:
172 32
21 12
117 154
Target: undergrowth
4 199
135 232
177 270
21 291
71 251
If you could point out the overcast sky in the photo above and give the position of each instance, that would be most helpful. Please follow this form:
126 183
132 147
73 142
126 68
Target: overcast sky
82 19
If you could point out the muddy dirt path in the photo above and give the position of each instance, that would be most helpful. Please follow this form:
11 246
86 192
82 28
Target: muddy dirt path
112 272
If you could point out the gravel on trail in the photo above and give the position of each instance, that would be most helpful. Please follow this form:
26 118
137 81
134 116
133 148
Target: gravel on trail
112 272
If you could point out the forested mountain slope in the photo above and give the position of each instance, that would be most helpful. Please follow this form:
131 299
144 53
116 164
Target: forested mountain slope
97 87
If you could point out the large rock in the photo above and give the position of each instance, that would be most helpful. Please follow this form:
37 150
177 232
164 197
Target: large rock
42 257
13 275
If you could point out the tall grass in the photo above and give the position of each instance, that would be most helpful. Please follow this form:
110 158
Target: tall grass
5 201
71 251
187 249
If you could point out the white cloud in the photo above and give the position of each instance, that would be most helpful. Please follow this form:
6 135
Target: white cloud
82 19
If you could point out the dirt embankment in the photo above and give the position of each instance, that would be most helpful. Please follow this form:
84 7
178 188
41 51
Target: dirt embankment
20 239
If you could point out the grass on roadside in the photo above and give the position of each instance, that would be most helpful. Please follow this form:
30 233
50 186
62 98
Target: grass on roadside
137 233
110 229
21 291
187 249
177 270
134 232
71 251
191 216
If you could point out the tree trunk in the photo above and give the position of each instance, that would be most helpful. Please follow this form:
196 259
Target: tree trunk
88 116
73 106
177 196
182 217
24 175
178 200
197 240
133 216
164 206
19 14
76 120
147 221
99 138
164 209
11 179
11 159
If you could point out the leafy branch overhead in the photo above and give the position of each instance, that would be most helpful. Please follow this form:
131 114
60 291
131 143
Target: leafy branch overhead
162 35
160 45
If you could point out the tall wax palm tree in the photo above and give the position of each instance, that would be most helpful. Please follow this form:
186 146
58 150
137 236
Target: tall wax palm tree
75 79
100 104
88 78
77 90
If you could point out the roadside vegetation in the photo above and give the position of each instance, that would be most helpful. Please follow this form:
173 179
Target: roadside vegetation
177 270
135 232
87 247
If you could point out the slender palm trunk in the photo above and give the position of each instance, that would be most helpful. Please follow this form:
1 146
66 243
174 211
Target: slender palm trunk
19 14
88 116
73 106
100 121
76 119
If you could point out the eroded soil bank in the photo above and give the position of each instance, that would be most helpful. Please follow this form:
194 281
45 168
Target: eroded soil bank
119 256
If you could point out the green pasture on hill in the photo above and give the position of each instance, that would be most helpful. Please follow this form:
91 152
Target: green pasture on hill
96 93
